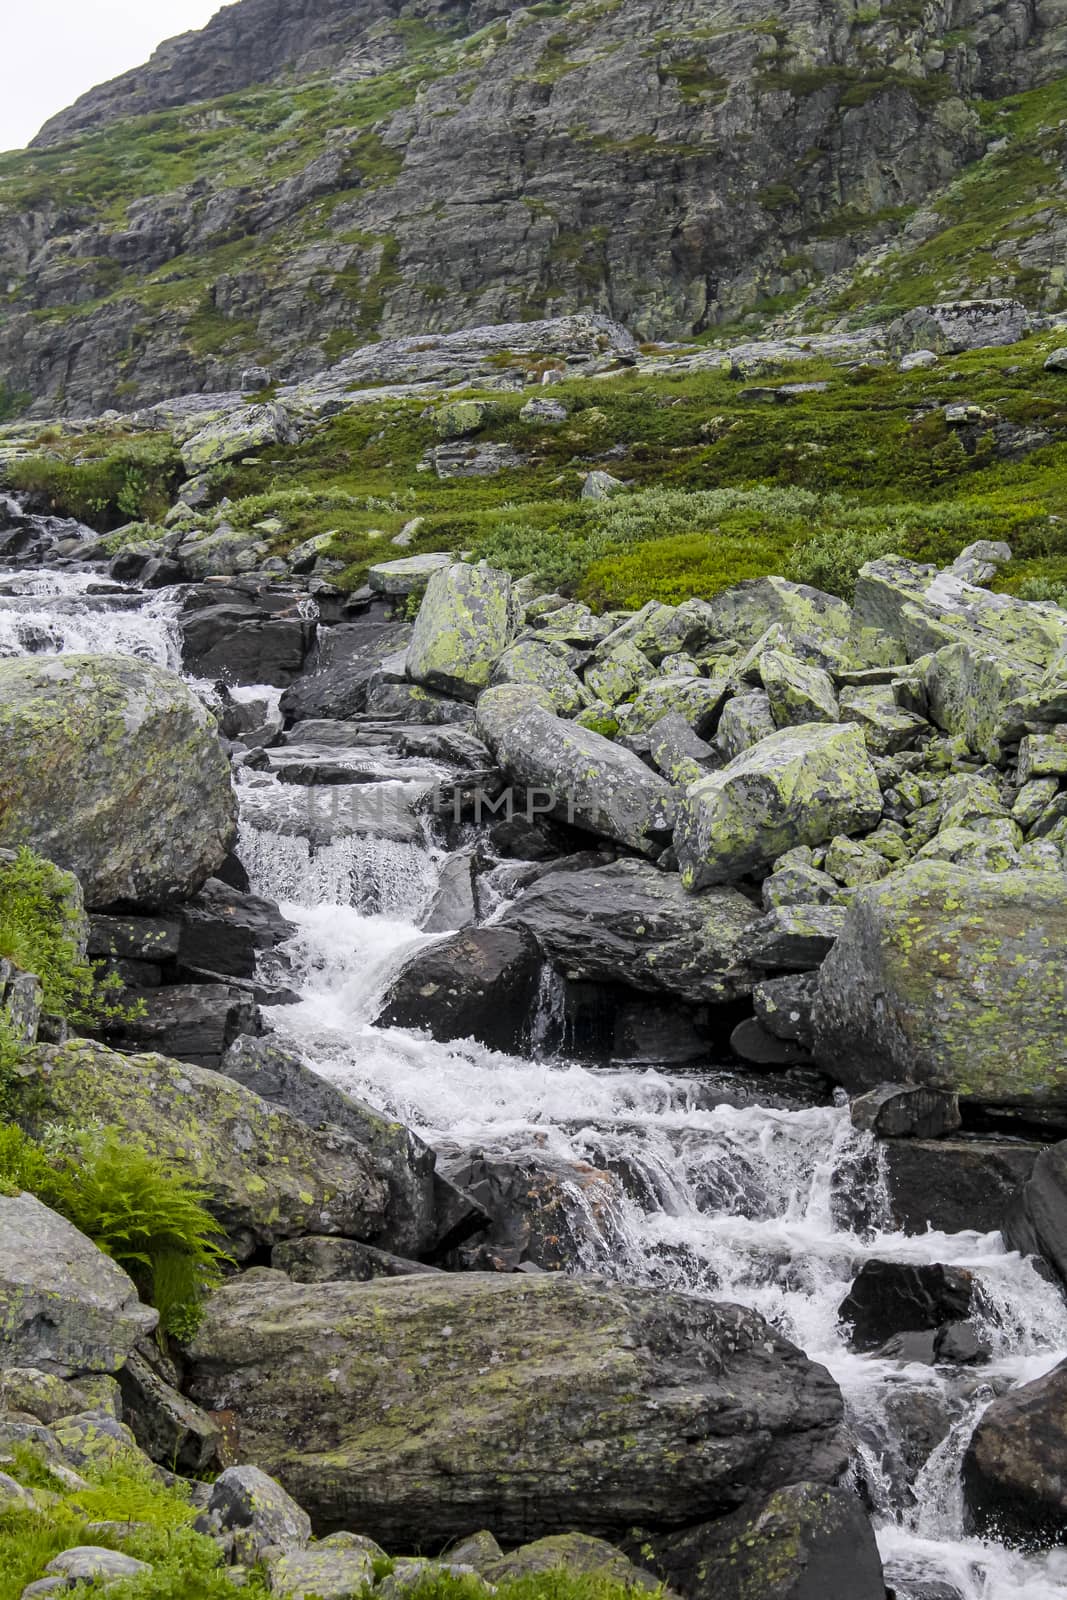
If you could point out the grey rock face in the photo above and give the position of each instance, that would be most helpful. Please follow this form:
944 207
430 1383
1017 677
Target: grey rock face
564 139
400 1158
567 1368
244 1499
65 1307
805 1542
113 769
800 786
269 1176
629 923
1012 1472
1036 1221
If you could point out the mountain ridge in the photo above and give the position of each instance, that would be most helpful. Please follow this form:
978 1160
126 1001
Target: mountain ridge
680 166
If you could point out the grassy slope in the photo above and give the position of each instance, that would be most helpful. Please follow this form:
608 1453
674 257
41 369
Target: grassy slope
721 487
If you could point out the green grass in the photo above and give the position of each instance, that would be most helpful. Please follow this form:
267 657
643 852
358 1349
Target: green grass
104 480
740 485
185 1565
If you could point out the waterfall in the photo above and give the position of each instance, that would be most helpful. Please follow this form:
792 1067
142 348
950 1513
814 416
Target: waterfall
675 1182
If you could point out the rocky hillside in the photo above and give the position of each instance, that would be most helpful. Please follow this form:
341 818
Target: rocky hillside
296 180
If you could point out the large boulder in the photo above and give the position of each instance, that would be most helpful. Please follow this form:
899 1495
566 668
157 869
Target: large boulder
533 1405
574 773
629 923
952 326
800 786
1013 1471
815 623
65 1307
268 1175
467 619
804 1542
113 768
950 978
232 434
480 983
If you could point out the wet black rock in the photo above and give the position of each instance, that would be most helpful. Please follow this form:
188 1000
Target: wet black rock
481 983
224 930
195 1022
541 1212
890 1297
954 1184
321 1259
1013 1470
1035 1221
906 1111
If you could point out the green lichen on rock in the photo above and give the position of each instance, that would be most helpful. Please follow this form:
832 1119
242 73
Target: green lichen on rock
952 978
800 786
467 619
112 768
448 1402
267 1175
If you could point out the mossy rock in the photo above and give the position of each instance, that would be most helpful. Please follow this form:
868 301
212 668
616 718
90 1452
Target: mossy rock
954 979
113 769
456 1400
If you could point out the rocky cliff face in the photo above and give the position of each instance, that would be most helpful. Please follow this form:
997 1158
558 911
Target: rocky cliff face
301 178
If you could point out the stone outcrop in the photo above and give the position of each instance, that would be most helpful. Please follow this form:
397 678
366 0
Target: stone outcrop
267 1175
539 1402
576 773
629 923
494 113
800 786
1013 1469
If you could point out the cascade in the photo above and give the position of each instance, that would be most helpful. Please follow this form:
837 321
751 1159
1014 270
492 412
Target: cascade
698 1188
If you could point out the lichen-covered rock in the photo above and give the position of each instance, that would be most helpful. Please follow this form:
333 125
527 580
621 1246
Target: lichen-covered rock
268 1175
950 978
407 575
815 623
629 923
697 700
323 1572
113 768
65 1307
579 776
400 1158
804 1542
1013 1470
530 661
246 1501
168 1427
467 619
799 786
533 1404
745 720
575 1553
887 727
238 433
797 691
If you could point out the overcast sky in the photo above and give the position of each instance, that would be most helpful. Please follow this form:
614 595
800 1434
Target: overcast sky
53 50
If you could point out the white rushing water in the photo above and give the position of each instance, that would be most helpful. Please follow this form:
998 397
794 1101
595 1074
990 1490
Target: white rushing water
773 1208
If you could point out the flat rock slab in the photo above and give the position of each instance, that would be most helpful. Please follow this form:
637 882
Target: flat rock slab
527 1404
